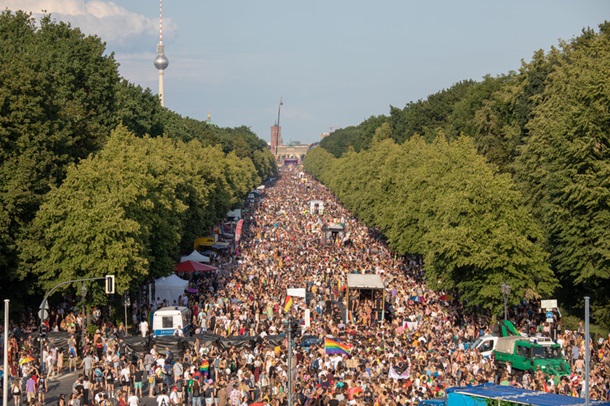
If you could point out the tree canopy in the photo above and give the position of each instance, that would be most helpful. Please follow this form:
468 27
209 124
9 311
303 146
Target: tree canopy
70 124
545 128
443 201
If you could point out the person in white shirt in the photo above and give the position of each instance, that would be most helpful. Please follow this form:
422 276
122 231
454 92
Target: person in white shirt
174 397
133 400
178 332
124 378
144 327
163 399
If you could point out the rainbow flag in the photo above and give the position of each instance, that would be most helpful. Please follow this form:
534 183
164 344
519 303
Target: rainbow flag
350 317
335 347
205 366
288 303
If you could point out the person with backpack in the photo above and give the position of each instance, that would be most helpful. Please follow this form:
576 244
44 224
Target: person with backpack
16 391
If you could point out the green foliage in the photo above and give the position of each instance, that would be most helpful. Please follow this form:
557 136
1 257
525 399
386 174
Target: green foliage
357 138
126 210
57 95
139 110
425 117
443 201
546 126
564 169
60 99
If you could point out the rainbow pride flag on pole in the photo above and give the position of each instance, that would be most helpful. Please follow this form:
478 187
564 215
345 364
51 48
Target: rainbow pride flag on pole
288 303
335 347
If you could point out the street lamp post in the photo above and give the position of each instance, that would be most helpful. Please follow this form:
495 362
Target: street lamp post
83 293
505 288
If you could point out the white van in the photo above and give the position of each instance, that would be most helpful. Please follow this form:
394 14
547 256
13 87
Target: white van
167 319
487 344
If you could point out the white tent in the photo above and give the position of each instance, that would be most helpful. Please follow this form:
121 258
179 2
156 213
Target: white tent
169 288
195 256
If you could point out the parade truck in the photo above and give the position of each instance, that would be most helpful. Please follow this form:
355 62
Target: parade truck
491 394
526 354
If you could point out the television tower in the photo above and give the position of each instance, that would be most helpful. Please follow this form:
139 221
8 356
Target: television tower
161 61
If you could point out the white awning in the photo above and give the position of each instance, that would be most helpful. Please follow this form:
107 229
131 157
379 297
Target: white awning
364 281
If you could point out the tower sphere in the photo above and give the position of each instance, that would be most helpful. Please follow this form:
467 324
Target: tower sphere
161 62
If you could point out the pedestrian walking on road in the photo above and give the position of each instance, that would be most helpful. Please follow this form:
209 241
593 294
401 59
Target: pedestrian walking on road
30 388
16 391
41 388
144 328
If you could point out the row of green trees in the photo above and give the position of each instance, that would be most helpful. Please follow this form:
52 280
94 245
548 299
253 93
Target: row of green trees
545 128
443 201
95 176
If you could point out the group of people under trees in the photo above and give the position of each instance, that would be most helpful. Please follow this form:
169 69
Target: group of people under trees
415 349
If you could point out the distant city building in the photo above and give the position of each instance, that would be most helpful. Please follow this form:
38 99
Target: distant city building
284 154
324 135
291 154
276 138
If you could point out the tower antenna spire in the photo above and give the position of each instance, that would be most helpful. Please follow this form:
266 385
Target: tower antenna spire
161 61
160 22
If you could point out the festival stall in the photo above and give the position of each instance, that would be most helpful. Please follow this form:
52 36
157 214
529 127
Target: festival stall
170 287
195 256
192 266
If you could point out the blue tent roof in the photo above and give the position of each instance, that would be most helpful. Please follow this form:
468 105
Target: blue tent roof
517 395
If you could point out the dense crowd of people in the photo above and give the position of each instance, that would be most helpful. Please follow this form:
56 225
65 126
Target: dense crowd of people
406 345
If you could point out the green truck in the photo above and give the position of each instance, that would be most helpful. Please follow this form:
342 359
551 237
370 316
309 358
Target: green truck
527 354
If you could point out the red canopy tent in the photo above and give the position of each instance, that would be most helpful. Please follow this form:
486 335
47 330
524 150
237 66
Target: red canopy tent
192 266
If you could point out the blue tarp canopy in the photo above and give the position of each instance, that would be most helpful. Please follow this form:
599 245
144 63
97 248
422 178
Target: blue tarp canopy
477 395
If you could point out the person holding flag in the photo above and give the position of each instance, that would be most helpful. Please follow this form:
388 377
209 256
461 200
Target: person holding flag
204 368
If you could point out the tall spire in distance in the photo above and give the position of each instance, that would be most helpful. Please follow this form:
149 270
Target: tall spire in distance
161 61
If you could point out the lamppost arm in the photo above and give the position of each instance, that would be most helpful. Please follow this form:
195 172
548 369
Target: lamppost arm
44 301
46 296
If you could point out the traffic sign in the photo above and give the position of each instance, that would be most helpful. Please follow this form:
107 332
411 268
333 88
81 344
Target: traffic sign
43 313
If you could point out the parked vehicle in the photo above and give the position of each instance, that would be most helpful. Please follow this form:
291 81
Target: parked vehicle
167 319
487 344
526 354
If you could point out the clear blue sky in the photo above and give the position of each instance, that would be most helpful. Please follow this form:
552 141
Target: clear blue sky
334 62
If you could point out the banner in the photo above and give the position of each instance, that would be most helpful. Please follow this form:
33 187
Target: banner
238 228
394 375
296 292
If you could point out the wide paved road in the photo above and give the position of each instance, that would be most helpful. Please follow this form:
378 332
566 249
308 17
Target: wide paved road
63 384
